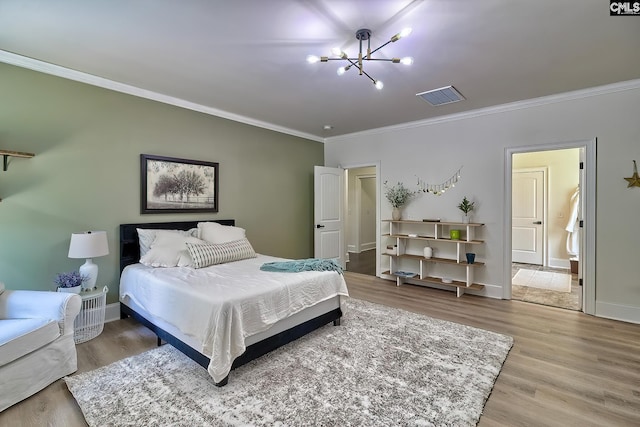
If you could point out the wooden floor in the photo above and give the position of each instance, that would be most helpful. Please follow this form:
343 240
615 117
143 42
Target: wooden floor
363 262
565 368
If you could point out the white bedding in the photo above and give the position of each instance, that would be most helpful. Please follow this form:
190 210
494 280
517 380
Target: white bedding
223 304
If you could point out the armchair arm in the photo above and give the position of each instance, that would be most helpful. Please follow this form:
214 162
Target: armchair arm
60 306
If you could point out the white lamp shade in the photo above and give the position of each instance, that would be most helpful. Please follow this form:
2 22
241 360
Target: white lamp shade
91 244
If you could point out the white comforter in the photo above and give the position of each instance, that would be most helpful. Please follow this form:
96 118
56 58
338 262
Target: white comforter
222 304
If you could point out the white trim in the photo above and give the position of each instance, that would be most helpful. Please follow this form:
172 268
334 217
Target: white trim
79 76
588 259
367 246
360 246
625 313
496 109
559 263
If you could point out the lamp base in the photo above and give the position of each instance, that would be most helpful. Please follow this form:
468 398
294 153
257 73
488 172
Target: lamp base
90 271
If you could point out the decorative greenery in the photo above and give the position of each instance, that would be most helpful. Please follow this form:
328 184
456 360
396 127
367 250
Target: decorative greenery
466 206
398 195
69 280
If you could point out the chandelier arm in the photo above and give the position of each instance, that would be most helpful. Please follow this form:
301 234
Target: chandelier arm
366 74
380 47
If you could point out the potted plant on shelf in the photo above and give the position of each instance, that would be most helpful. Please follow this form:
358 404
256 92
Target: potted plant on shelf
70 282
466 206
398 195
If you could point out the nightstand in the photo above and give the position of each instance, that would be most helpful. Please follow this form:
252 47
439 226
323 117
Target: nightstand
90 322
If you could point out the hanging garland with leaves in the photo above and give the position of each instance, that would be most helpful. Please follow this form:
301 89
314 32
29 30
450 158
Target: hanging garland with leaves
439 189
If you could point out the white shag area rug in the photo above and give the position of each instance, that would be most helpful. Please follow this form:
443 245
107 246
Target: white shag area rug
550 280
381 367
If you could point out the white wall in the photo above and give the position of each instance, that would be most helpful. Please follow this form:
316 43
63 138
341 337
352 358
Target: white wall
434 150
563 179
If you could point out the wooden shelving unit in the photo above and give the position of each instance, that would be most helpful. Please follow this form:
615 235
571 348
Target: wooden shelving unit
407 234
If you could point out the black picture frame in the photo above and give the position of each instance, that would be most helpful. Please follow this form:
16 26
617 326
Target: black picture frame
172 185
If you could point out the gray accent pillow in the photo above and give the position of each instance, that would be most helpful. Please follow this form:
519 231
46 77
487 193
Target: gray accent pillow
211 254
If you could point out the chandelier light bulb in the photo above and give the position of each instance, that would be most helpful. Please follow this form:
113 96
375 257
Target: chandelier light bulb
341 70
336 51
312 59
407 60
405 32
379 84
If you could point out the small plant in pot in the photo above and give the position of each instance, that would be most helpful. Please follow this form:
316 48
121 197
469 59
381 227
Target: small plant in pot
466 207
398 195
69 282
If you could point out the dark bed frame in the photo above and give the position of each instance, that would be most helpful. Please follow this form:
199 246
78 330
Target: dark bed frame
130 254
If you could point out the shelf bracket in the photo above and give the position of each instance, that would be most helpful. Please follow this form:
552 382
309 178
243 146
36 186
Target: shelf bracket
6 154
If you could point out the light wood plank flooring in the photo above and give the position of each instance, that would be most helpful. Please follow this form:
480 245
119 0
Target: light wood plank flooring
565 368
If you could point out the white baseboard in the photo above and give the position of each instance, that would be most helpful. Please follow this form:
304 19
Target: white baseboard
112 312
559 263
625 313
367 246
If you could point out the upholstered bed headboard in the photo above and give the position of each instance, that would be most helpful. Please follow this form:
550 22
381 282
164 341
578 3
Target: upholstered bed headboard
130 247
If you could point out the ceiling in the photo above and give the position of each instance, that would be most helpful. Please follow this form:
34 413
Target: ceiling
246 59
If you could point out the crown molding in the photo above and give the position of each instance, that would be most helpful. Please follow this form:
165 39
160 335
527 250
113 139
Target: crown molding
79 76
512 106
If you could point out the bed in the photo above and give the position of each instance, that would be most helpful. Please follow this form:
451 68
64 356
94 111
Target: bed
223 316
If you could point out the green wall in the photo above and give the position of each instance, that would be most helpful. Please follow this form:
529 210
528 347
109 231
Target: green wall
86 174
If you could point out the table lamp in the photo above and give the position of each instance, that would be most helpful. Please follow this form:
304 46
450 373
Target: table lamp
88 245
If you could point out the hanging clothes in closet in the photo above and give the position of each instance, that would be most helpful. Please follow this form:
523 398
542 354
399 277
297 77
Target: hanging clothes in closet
573 244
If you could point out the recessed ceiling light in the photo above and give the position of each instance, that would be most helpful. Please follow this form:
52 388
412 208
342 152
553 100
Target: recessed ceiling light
327 127
442 96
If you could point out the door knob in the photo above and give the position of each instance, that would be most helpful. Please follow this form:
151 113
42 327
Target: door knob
537 222
319 226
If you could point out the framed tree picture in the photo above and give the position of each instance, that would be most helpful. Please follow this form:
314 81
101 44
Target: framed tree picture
170 185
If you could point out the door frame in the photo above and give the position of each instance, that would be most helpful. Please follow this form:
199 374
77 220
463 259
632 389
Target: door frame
375 165
587 262
358 215
545 208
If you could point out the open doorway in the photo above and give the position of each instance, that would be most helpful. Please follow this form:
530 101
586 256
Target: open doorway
587 222
361 220
545 235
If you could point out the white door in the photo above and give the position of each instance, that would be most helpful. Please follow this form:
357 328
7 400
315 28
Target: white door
329 213
527 216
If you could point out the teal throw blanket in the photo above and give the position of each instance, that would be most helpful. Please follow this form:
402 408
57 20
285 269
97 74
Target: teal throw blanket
296 266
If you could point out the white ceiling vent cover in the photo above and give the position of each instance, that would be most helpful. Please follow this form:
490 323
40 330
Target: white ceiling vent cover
444 95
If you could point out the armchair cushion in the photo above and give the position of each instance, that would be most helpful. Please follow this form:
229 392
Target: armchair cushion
22 336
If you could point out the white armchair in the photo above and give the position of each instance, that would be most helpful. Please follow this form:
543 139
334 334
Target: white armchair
36 341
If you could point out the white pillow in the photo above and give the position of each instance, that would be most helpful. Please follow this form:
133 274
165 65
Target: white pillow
170 250
211 254
216 233
147 236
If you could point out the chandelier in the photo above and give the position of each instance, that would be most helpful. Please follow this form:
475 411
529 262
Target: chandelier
363 35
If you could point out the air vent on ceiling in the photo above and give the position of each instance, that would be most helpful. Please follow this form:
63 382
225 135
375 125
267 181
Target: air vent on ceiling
444 95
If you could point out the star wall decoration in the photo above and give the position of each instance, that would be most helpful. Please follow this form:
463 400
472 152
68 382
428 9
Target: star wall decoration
634 180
